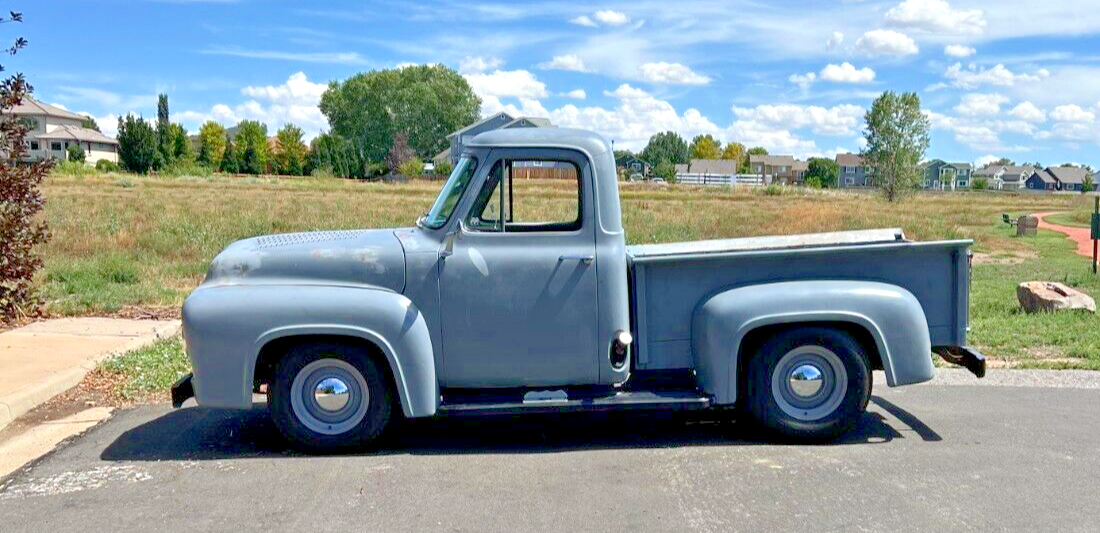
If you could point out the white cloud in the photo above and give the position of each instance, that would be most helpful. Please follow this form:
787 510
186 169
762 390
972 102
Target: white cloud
275 105
847 73
1071 113
804 81
342 58
886 42
507 83
936 16
984 160
977 104
672 73
565 62
576 94
583 20
973 76
1028 112
612 18
980 133
836 121
958 50
1073 132
474 65
835 40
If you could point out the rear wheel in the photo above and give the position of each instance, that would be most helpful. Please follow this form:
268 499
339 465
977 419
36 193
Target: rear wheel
330 397
809 383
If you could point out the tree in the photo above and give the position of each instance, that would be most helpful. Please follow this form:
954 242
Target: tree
165 145
736 151
75 153
666 146
897 138
335 154
399 152
1004 161
251 147
665 170
180 145
425 102
1088 184
705 147
758 150
229 163
823 171
89 123
290 151
619 154
21 226
212 144
137 144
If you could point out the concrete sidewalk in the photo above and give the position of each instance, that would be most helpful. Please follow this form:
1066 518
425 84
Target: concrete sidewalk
44 359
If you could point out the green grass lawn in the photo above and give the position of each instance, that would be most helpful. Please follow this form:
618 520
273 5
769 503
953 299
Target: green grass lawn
121 240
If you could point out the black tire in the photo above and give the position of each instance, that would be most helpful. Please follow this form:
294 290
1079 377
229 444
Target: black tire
291 421
824 417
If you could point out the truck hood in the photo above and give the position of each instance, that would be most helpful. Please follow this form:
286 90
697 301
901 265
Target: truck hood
355 257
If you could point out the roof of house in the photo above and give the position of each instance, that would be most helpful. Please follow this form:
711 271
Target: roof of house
30 106
1044 175
849 160
772 160
445 154
1068 174
629 158
992 170
1016 173
709 166
501 114
540 122
800 165
69 132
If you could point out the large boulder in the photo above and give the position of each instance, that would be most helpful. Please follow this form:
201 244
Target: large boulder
1038 296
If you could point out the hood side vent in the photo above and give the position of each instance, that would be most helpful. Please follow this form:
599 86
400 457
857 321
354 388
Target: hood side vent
291 239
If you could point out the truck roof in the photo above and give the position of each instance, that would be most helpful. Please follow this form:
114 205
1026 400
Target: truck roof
583 140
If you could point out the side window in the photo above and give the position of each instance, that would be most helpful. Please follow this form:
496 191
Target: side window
526 196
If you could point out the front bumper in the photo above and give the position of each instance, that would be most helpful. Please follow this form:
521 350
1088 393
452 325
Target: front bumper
182 390
964 356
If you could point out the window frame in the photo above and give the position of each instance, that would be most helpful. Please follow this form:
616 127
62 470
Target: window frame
554 228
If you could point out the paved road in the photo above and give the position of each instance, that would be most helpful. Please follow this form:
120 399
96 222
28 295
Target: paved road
925 458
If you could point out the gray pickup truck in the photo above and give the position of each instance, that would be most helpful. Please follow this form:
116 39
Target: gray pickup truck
514 295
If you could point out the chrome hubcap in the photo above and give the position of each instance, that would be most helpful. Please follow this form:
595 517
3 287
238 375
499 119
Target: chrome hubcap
806 380
331 394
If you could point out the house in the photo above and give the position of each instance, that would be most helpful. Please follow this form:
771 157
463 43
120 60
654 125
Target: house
708 172
939 174
53 130
772 167
851 172
1004 177
634 165
1058 179
496 121
799 170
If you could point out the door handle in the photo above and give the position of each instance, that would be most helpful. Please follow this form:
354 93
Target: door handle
583 259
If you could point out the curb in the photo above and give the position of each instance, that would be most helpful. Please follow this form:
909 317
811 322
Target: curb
19 402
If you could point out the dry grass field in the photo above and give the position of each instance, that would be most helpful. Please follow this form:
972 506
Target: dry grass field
121 242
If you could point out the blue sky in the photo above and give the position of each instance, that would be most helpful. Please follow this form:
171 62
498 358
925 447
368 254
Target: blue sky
1013 78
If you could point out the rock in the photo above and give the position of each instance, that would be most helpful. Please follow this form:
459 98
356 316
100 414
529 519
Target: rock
1038 296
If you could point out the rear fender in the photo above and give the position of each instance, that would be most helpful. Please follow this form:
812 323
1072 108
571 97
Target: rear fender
891 315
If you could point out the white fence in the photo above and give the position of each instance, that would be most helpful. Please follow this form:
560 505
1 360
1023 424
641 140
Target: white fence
711 179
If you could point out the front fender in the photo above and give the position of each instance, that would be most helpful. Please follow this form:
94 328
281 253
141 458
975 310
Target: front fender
226 327
890 314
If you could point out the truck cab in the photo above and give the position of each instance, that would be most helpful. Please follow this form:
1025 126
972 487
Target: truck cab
516 292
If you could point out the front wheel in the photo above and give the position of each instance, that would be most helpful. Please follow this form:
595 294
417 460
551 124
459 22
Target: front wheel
330 397
809 383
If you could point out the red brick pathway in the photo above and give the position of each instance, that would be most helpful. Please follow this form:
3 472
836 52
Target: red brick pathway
1081 236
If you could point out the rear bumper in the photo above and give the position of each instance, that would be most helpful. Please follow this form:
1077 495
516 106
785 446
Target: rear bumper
182 390
964 356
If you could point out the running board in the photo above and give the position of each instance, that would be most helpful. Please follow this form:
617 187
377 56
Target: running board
663 400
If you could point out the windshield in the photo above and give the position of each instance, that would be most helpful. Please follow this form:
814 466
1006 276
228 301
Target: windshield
445 204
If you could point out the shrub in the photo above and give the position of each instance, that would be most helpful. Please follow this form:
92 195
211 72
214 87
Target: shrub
399 152
104 165
185 167
137 144
774 189
72 168
322 173
375 170
979 184
75 153
411 167
444 167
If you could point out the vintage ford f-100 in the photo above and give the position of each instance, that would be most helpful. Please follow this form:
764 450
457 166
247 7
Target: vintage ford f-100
507 298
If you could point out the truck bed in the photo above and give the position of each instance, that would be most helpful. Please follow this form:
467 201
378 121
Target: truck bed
669 281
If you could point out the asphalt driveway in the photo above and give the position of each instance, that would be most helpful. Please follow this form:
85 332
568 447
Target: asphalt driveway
924 458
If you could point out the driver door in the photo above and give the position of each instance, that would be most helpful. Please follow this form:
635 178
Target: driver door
518 290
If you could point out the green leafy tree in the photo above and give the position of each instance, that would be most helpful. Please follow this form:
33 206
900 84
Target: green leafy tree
137 144
337 155
737 152
665 170
75 152
290 151
230 163
705 147
180 143
1088 184
251 147
619 154
666 146
425 102
897 138
22 227
165 144
979 184
89 123
758 150
824 171
212 143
